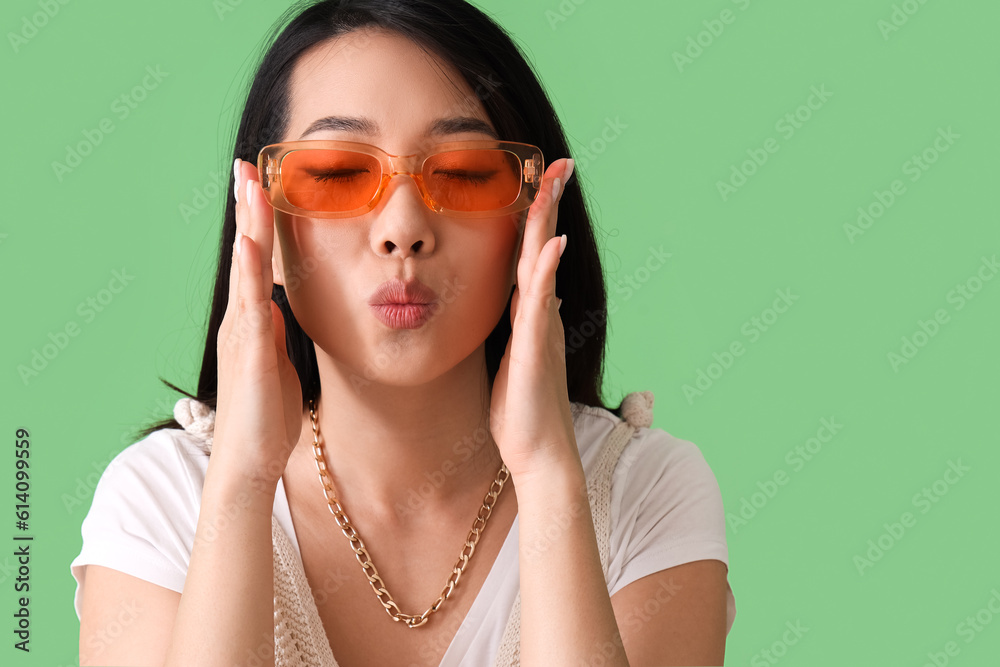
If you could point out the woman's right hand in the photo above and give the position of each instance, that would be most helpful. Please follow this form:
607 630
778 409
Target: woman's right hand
259 404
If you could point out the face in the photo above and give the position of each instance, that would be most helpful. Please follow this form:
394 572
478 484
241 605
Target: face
331 267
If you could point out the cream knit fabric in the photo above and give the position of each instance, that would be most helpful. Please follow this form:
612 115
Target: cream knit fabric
299 637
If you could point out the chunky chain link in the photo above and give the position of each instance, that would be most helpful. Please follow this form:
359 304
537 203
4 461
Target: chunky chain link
361 553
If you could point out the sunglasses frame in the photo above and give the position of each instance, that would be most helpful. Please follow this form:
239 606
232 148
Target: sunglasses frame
270 158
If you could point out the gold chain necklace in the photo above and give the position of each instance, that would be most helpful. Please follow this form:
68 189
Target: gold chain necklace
359 547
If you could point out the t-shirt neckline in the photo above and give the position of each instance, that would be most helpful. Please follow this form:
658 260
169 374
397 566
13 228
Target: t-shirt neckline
482 598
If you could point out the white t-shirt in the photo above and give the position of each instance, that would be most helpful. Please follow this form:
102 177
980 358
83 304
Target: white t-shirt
666 509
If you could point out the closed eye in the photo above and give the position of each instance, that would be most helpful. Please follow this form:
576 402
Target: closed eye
478 177
337 175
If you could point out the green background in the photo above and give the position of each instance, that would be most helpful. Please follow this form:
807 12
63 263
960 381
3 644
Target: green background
683 128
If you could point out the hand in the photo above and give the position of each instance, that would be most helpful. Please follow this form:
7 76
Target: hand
259 404
530 416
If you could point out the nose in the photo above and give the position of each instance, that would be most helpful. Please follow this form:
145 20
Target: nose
401 220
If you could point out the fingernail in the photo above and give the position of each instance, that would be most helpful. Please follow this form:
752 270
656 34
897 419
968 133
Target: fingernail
562 245
555 188
559 305
569 170
236 179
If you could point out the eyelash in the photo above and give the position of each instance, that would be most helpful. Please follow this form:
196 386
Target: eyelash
477 178
335 176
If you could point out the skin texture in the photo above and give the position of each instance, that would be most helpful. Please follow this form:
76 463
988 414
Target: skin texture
383 389
397 406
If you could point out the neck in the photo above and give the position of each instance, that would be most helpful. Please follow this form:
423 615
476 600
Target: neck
400 455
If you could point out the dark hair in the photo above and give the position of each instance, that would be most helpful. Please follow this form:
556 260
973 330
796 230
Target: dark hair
516 103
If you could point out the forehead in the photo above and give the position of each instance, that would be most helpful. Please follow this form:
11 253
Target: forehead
381 76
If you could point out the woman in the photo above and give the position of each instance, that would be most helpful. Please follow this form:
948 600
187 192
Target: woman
405 258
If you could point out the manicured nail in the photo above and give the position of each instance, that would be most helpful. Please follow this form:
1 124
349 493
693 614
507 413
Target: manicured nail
559 305
569 170
555 188
562 245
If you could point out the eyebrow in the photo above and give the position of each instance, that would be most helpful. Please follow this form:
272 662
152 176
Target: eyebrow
366 126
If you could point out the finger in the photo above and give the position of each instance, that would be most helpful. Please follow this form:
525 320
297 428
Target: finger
553 221
541 222
259 223
538 305
254 324
535 228
240 200
553 217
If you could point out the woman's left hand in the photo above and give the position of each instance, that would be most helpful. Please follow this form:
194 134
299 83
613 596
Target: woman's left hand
530 416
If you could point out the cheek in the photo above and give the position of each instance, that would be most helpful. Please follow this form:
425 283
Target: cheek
316 284
490 273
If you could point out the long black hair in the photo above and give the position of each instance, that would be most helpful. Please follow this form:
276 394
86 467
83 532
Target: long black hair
493 66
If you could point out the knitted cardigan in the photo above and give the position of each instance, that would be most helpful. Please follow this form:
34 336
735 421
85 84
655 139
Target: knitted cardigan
299 637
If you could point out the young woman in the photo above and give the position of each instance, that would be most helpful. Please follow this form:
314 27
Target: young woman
387 366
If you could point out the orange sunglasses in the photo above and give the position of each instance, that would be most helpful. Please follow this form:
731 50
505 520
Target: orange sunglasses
342 179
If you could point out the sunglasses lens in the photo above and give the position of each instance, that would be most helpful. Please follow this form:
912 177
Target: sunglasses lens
340 181
474 179
329 180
